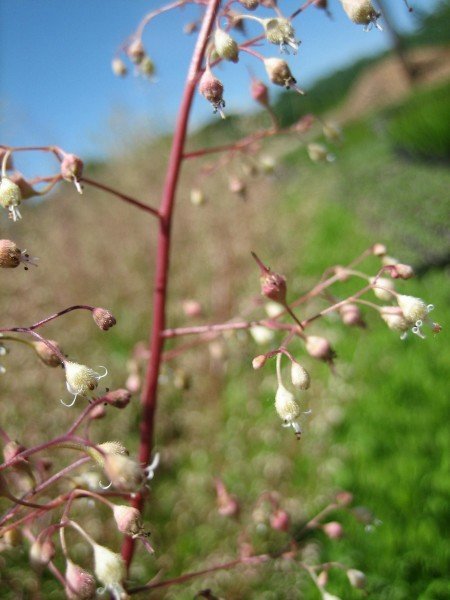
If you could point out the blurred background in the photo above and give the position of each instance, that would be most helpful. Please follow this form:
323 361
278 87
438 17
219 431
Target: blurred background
379 425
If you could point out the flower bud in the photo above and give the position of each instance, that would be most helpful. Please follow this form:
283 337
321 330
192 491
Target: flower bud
226 47
360 12
10 197
333 530
285 404
98 412
357 578
273 285
124 473
382 288
110 569
118 67
388 261
197 197
394 318
237 186
228 505
80 584
103 318
80 379
322 578
192 308
11 256
41 553
46 354
401 271
259 92
259 361
279 72
190 28
147 67
414 309
318 153
273 309
344 498
351 315
279 31
262 335
136 51
320 348
249 4
211 88
71 167
299 376
280 520
119 398
128 520
379 249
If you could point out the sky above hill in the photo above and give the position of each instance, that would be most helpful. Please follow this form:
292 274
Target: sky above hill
57 86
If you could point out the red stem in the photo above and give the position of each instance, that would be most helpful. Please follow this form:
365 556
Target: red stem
149 393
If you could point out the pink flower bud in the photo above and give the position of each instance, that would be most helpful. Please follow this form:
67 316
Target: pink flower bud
322 578
80 584
351 315
71 167
47 354
11 256
128 520
259 361
211 88
227 503
333 530
237 186
12 449
319 347
344 498
133 383
259 92
103 318
280 520
192 308
119 398
401 271
98 412
273 285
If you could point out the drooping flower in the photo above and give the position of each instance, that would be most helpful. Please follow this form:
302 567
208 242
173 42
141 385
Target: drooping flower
81 380
10 198
362 12
288 409
280 31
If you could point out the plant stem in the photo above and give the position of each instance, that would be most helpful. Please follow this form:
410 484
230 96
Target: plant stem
149 393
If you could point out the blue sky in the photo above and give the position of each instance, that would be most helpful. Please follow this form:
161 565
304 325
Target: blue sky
57 86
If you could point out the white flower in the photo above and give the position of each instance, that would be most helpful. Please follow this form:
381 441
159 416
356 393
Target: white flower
299 377
361 12
110 570
80 380
10 197
288 409
416 312
280 31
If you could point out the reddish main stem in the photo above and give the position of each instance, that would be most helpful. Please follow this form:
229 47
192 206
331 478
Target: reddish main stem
149 395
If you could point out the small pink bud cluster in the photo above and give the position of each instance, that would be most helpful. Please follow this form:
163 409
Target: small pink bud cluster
273 285
227 504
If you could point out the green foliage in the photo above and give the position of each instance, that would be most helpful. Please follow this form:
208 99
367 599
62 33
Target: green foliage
421 127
